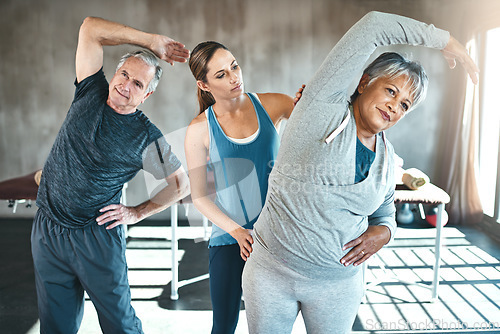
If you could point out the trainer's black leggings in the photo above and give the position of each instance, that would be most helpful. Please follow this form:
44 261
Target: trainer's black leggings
225 269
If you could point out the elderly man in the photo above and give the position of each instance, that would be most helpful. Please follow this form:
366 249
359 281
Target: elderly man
78 240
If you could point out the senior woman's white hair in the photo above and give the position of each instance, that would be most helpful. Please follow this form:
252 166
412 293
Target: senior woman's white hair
393 65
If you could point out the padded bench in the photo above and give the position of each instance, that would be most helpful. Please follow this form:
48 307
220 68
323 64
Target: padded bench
19 190
427 194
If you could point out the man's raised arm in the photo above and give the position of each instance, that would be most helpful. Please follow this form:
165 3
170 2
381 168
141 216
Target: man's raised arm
96 33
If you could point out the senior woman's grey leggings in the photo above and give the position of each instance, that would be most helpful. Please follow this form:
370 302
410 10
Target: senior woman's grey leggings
274 294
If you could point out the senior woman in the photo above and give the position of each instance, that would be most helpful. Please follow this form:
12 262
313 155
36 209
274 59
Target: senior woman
330 205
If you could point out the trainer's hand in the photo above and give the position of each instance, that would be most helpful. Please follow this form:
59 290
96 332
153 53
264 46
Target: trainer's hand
453 52
298 95
118 214
169 50
245 241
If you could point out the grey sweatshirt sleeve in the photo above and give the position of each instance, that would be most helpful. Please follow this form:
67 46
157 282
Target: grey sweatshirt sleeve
386 214
331 81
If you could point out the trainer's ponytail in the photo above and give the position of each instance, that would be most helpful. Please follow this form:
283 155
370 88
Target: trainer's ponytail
205 99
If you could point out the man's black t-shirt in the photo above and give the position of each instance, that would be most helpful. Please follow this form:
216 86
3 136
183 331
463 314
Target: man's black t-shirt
95 152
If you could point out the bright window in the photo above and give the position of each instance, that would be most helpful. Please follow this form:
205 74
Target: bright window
490 126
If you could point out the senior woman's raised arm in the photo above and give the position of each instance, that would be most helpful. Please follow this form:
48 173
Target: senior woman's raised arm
333 78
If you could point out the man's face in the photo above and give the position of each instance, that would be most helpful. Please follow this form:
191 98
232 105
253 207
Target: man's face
127 88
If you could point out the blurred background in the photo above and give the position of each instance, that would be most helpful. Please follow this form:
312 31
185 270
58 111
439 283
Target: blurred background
279 45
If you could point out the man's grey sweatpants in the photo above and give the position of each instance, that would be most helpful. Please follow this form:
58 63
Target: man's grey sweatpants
69 261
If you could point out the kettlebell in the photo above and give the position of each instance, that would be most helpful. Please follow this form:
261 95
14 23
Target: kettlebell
404 215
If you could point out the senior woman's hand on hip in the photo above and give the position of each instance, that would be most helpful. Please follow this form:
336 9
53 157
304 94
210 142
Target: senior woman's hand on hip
367 244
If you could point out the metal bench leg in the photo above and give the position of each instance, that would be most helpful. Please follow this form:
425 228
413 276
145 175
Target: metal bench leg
206 234
437 251
123 200
174 295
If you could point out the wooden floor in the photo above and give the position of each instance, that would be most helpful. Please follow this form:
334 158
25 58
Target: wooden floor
469 292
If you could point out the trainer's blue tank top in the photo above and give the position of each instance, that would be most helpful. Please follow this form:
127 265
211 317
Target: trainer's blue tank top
241 171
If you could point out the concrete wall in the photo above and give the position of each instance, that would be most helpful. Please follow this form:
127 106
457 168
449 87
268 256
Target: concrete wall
279 44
